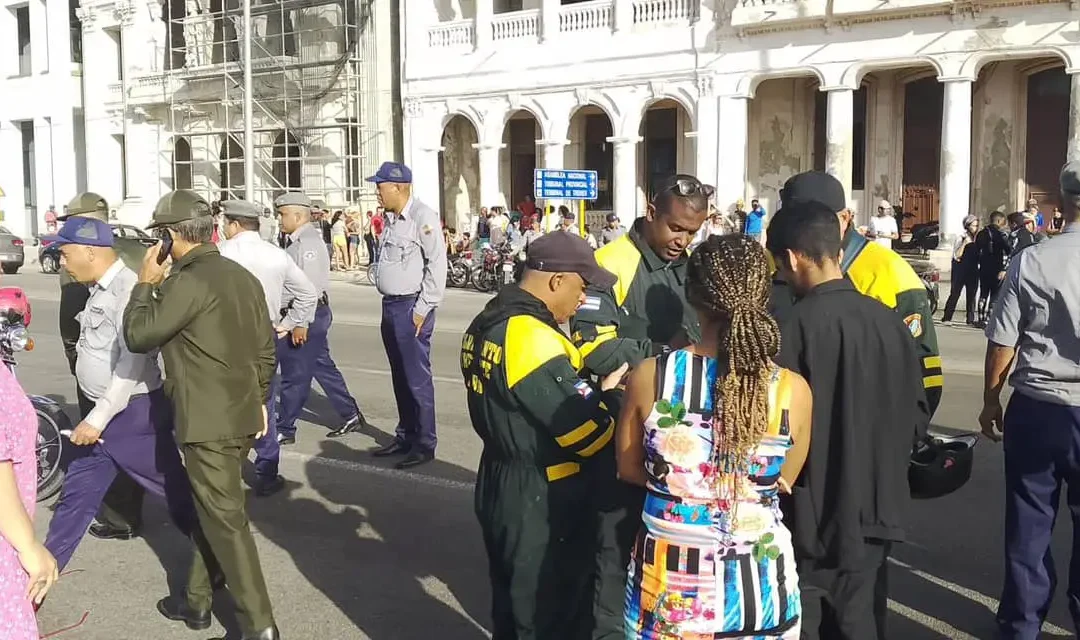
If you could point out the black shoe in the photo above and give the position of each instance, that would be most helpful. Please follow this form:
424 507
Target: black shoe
106 531
283 439
270 633
268 485
355 423
176 609
415 459
394 448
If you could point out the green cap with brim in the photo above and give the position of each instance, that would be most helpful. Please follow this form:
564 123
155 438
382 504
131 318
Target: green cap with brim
179 206
87 205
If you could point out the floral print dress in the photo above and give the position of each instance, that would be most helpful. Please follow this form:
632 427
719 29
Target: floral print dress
18 433
707 567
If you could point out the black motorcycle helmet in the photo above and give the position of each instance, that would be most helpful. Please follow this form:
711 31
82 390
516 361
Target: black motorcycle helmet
940 465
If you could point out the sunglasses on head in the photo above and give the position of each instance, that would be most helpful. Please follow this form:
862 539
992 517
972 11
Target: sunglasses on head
688 187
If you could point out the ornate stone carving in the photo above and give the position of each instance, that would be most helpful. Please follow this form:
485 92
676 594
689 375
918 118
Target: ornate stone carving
86 16
705 86
413 108
124 14
657 89
514 100
583 95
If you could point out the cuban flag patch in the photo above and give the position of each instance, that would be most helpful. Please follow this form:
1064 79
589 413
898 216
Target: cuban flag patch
583 388
592 303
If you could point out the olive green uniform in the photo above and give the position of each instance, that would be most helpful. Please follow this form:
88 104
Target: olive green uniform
121 508
635 319
541 424
210 320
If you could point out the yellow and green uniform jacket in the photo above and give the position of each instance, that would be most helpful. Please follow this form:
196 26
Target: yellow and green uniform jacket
884 275
527 400
642 313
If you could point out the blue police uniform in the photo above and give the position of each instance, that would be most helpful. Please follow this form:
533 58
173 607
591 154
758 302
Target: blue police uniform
312 359
411 276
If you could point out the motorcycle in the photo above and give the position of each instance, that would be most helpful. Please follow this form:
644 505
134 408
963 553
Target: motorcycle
487 276
931 278
925 236
458 269
52 422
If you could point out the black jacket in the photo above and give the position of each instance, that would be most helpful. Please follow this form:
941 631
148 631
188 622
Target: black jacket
869 407
993 247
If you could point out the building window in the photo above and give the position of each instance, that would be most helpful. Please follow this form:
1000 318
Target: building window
26 128
22 19
75 31
118 49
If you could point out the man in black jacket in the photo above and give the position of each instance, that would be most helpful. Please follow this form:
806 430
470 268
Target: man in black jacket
849 503
120 516
993 247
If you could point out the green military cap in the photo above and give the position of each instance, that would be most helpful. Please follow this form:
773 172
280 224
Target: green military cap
179 206
89 205
240 209
293 199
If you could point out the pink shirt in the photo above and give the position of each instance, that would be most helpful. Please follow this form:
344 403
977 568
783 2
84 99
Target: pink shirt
18 436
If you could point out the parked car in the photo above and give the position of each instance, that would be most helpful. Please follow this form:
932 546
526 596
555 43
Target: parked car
49 253
12 255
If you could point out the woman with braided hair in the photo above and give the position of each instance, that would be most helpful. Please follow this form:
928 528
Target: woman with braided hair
714 432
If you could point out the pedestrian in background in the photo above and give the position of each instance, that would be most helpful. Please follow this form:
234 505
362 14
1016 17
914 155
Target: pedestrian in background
412 280
965 272
210 321
993 247
612 229
305 355
1035 323
120 516
285 286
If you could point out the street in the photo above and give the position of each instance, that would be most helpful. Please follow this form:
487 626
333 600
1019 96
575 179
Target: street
355 549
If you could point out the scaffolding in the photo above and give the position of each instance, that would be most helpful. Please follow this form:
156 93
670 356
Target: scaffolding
308 97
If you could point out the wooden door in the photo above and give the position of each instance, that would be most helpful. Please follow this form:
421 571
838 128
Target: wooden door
1047 131
920 200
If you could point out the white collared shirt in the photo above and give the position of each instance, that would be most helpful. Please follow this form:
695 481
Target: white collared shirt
282 280
106 370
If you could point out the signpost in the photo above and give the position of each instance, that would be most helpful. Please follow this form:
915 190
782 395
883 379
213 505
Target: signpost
566 184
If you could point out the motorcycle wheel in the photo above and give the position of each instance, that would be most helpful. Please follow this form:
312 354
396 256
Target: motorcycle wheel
484 280
371 270
49 449
457 275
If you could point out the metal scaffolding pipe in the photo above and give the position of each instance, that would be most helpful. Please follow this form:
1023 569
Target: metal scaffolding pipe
249 134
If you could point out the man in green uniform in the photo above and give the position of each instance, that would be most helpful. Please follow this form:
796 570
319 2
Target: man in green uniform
210 320
541 424
120 515
642 314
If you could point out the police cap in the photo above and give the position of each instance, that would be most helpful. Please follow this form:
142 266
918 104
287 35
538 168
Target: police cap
89 205
293 199
563 252
240 209
179 206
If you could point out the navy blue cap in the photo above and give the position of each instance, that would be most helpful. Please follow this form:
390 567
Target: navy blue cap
392 172
90 232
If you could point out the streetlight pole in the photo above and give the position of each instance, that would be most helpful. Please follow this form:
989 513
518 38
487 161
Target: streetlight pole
249 136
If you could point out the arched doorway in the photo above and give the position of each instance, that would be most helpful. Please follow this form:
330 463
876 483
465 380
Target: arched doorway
665 150
1048 97
183 175
459 179
923 101
517 159
232 169
288 168
590 128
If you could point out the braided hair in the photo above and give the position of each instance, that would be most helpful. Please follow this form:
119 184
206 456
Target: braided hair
728 278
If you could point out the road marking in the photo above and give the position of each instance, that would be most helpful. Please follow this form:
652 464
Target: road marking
386 373
385 472
930 622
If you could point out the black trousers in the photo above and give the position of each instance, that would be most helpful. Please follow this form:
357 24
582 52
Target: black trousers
122 506
619 512
846 604
964 277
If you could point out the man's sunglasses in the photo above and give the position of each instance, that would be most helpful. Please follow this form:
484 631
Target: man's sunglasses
687 187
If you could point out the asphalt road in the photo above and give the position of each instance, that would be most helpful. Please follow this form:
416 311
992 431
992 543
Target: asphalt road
355 549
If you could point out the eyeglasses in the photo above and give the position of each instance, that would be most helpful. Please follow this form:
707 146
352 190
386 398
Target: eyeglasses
688 187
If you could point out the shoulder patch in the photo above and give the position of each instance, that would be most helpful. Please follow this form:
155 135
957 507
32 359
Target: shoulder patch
426 229
592 303
309 255
914 324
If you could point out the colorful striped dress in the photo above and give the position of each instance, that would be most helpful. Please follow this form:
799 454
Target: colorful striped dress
698 573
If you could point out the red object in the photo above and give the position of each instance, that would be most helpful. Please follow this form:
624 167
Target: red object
17 242
14 305
377 225
214 238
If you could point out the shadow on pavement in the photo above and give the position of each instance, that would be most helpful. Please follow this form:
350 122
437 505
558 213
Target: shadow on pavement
380 558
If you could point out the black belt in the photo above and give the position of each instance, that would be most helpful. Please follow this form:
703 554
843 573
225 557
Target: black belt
324 300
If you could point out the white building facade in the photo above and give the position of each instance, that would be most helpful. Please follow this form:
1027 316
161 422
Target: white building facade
943 108
41 111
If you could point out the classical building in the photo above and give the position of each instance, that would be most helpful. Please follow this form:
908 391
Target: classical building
158 103
942 107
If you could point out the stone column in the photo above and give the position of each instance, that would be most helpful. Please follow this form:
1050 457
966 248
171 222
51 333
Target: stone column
11 167
955 180
39 40
623 16
1073 149
553 156
490 193
64 180
707 133
549 20
425 168
482 23
731 154
839 146
625 178
9 34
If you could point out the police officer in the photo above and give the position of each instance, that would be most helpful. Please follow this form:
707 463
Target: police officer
306 353
411 276
542 423
643 313
284 284
612 231
210 320
120 516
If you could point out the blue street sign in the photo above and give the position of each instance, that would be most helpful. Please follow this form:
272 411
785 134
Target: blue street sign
561 184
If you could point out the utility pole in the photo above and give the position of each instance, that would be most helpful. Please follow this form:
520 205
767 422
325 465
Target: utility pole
249 136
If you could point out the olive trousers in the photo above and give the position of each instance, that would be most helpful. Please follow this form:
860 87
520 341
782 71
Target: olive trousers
226 547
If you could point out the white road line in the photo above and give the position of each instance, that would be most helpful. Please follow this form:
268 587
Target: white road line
930 622
372 469
386 373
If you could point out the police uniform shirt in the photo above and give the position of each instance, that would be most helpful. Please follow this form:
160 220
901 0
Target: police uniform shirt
412 256
106 370
308 251
609 235
282 280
